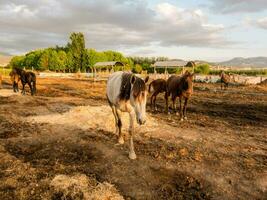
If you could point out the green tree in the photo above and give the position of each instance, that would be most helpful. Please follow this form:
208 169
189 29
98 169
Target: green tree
43 63
138 68
17 61
77 48
202 69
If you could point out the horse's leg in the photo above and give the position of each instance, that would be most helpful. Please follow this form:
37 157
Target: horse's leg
173 104
115 118
23 89
151 101
154 102
132 154
119 124
14 86
17 87
181 114
30 85
184 109
167 103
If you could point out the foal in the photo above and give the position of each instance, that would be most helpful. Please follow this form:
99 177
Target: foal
182 87
225 79
157 86
127 93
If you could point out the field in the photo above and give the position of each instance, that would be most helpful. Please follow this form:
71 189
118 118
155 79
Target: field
220 152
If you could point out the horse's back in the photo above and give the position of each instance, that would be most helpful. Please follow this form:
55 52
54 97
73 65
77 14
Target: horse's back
172 82
113 86
159 85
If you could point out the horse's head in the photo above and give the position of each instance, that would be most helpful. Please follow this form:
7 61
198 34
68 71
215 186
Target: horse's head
138 98
188 80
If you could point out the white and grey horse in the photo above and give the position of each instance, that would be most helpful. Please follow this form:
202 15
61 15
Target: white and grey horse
127 93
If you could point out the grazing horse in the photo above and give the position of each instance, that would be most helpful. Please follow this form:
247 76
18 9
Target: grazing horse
182 87
157 86
26 78
127 93
225 79
15 79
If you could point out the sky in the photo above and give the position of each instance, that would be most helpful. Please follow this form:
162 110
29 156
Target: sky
213 30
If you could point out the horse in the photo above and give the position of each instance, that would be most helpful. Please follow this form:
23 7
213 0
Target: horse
157 86
182 87
15 79
26 78
127 93
1 80
225 79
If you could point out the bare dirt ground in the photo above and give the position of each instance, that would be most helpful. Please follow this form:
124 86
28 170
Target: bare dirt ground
67 129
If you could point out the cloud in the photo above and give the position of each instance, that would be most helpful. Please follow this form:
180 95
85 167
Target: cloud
258 23
238 6
262 23
107 24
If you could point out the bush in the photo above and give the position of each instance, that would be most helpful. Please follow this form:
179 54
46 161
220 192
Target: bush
202 69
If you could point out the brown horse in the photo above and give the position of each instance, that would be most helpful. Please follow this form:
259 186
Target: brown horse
182 87
225 79
26 78
15 79
157 86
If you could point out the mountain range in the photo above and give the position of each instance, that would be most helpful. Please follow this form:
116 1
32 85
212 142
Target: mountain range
251 62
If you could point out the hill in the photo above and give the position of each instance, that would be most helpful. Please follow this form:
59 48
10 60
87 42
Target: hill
4 60
253 62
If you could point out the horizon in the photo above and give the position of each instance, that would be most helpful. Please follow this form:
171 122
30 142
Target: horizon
208 30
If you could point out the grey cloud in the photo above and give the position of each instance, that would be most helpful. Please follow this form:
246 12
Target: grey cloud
238 6
107 24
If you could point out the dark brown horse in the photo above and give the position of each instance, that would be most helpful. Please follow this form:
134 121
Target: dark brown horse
25 77
225 79
157 86
182 87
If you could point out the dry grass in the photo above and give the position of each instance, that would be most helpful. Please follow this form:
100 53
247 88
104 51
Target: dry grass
81 187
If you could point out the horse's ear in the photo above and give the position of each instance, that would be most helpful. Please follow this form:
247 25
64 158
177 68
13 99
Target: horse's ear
146 79
132 79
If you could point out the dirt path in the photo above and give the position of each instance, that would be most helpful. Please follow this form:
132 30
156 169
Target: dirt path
219 153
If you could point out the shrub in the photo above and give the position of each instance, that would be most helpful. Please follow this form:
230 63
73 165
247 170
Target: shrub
202 69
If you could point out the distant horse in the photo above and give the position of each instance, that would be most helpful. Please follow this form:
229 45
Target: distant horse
182 87
225 79
26 78
1 80
127 93
15 79
157 86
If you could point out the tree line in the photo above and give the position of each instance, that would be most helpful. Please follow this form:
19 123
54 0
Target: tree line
75 57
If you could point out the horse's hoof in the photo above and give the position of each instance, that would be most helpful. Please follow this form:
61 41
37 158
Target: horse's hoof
176 113
168 112
181 119
185 118
121 141
132 155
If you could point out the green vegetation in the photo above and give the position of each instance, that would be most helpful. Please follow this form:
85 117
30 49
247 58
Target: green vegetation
72 58
5 71
202 69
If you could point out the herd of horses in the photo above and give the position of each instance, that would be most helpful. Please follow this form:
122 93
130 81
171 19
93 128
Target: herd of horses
127 92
